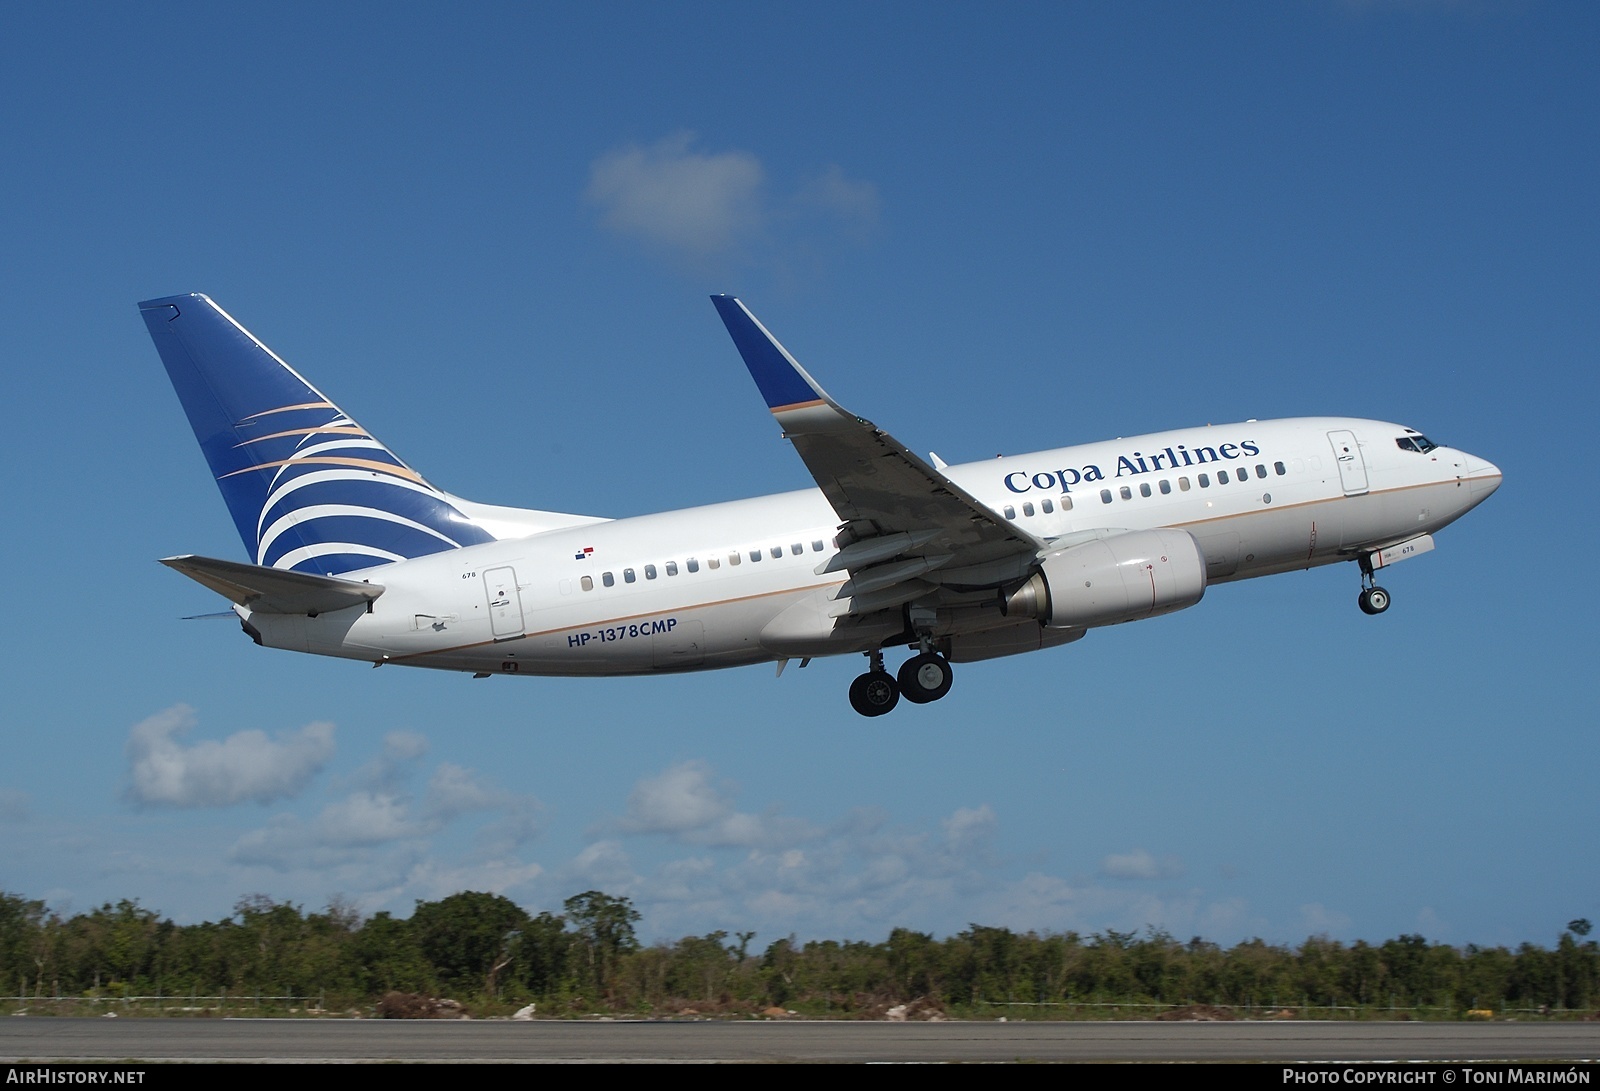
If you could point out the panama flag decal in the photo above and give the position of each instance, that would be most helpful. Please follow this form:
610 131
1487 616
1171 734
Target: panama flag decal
585 554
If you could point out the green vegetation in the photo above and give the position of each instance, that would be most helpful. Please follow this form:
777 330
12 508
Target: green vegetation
493 956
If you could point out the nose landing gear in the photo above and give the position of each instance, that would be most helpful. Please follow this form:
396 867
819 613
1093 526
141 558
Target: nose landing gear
1373 599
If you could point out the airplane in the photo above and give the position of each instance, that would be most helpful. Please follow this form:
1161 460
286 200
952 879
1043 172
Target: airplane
352 553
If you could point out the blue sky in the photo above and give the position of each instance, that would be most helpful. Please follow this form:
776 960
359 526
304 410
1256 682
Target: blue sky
489 233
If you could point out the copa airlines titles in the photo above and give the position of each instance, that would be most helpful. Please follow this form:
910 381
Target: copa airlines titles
1139 462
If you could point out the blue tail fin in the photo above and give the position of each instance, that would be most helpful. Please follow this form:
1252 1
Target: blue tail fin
309 489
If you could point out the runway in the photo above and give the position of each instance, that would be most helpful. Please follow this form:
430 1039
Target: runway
276 1040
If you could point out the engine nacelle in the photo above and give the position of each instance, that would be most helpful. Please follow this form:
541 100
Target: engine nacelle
1029 636
1123 577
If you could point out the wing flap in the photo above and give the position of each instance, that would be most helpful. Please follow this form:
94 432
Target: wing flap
274 590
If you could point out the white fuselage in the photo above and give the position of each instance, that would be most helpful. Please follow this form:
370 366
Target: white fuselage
705 587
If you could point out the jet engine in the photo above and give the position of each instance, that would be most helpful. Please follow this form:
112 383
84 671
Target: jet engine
1121 577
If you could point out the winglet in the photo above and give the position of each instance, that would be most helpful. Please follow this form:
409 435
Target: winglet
782 381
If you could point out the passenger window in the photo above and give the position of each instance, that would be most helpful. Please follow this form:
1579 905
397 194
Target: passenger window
587 583
1010 512
796 549
1244 473
1205 481
1261 471
627 575
734 559
1279 467
608 579
1127 493
1183 484
1105 496
1047 507
1144 488
1166 486
816 546
649 571
755 554
715 563
1222 477
672 568
1027 509
776 551
1066 503
692 564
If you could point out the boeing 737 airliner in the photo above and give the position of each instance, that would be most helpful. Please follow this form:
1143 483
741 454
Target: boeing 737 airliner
353 553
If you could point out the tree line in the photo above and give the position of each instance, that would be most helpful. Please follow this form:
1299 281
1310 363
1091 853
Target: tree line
494 956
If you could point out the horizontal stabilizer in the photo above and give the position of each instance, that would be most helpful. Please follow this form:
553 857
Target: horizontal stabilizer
274 590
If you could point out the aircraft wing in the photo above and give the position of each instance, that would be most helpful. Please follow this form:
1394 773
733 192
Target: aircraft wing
274 590
901 518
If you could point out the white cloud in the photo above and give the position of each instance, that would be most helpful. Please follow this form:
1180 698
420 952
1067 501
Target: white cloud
683 802
703 205
859 871
1139 864
859 875
970 827
345 828
454 791
394 763
380 815
1430 924
672 195
846 199
432 880
602 865
681 799
247 766
1318 919
1049 903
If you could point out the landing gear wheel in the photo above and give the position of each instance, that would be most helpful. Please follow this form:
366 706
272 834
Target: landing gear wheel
1373 600
924 678
874 693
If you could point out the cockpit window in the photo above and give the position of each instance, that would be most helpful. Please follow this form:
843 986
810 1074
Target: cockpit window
1416 441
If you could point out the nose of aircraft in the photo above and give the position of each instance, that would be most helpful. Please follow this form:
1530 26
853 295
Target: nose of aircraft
1483 477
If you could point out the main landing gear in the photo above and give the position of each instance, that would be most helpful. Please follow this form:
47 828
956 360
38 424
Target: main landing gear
922 678
1373 599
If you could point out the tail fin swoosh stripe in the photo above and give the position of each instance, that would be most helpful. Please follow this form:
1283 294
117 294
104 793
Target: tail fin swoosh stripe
371 531
287 409
305 515
359 463
337 430
337 486
348 555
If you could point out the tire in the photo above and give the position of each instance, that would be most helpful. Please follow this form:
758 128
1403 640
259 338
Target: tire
874 693
924 678
1373 600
